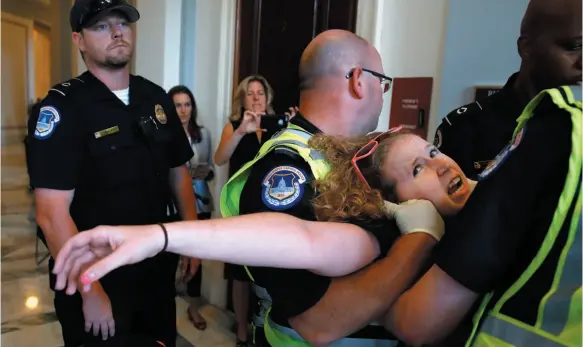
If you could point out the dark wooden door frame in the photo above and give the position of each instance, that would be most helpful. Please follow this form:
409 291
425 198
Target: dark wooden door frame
320 21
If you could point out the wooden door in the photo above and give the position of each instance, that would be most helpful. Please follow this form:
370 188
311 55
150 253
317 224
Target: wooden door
18 93
272 34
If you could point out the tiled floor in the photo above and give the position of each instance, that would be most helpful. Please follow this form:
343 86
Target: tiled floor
28 318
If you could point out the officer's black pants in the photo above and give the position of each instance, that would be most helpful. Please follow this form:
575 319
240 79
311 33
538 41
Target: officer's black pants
142 300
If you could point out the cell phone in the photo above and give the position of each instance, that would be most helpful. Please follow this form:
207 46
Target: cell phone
277 121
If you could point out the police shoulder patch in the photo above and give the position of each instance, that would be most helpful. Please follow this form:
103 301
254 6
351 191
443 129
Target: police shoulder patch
283 187
501 157
47 122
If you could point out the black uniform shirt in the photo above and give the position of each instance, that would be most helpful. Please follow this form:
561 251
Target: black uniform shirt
85 138
270 188
474 134
497 234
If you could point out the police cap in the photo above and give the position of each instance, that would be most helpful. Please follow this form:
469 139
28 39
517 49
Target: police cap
85 13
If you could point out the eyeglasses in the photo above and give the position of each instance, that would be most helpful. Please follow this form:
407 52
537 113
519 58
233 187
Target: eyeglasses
366 173
386 81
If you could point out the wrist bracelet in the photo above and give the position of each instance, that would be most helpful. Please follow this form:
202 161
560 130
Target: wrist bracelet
165 237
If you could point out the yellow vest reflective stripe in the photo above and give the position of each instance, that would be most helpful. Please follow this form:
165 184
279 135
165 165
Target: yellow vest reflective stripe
292 138
295 139
558 320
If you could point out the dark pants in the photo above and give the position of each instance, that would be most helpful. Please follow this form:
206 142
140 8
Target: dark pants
193 286
142 299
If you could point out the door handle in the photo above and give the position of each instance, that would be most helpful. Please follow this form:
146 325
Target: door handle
421 118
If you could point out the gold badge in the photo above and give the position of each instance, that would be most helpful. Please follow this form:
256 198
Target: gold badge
160 115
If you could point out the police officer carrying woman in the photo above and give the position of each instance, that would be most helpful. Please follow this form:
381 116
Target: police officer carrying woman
107 147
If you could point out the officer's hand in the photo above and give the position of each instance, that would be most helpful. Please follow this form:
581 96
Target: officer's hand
189 267
250 123
104 249
416 216
97 313
292 112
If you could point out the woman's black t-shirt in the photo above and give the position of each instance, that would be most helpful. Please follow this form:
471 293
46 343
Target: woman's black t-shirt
247 147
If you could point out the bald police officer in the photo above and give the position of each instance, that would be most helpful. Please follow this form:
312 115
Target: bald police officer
550 48
107 147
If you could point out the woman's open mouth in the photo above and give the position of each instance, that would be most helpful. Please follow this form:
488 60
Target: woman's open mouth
455 185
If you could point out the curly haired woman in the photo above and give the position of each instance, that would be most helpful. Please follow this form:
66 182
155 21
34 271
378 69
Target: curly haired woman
365 172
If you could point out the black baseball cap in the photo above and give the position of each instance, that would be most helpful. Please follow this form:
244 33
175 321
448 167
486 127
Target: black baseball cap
85 13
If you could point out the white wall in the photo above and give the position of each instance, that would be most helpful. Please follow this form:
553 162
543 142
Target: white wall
213 85
157 46
480 48
411 45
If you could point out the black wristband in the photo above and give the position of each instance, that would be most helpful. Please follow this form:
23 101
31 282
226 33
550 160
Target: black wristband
165 237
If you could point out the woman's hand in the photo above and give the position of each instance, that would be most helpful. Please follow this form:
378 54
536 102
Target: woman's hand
189 267
200 172
106 248
250 123
292 112
416 216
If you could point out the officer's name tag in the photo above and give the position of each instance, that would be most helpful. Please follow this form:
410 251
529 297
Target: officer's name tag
105 132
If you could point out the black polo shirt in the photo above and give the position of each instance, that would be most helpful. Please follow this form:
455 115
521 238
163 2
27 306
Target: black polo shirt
295 291
83 137
474 134
489 244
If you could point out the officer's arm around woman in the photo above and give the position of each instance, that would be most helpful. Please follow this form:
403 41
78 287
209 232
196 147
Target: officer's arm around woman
495 244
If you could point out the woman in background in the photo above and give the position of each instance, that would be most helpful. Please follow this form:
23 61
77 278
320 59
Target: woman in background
201 171
240 141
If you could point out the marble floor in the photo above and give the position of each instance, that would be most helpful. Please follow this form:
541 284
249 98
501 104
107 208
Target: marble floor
28 317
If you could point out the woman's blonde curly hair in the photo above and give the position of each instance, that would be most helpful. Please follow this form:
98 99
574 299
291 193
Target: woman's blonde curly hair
342 194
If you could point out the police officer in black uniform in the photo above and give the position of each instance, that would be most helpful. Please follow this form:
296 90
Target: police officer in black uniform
107 148
329 107
505 224
550 49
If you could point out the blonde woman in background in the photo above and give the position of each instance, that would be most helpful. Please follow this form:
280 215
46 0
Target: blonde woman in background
240 141
201 171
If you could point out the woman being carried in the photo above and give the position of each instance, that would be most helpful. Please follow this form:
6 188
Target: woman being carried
366 173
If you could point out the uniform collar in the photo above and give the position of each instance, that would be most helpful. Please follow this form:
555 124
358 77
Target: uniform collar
99 91
511 99
305 124
509 86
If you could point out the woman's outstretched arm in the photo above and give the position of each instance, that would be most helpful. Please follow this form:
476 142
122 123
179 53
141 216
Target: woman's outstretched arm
262 239
276 240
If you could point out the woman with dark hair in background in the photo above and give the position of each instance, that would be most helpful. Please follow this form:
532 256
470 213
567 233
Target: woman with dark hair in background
201 171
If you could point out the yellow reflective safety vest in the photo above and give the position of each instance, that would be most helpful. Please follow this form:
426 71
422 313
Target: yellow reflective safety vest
558 320
292 138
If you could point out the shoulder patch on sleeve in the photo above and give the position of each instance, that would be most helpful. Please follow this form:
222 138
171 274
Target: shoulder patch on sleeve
283 187
47 122
501 157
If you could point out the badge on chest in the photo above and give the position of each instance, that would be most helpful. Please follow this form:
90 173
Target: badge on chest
160 115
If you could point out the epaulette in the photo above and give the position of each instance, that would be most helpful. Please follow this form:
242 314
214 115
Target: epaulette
65 88
470 110
461 112
288 151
